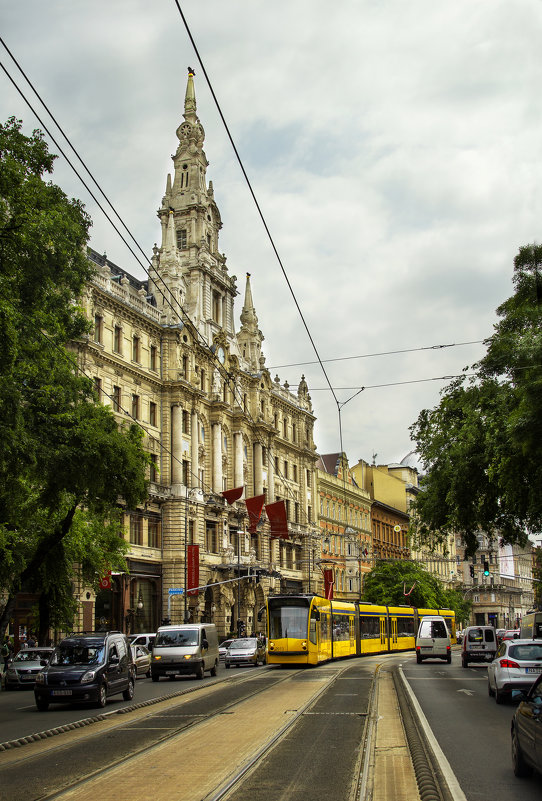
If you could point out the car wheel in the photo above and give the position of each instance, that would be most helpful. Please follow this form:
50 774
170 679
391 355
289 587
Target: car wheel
449 659
227 666
171 678
148 674
42 704
102 696
213 669
418 659
490 692
128 693
464 662
155 676
200 671
521 768
500 698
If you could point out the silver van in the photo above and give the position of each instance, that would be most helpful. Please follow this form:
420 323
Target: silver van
479 644
433 639
183 649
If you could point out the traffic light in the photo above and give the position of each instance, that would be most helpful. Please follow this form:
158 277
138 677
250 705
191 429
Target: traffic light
471 568
486 568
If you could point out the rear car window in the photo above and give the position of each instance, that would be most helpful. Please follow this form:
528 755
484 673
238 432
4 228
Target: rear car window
489 635
439 629
527 652
475 635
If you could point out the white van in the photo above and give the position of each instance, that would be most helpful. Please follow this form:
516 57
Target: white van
433 639
479 645
185 648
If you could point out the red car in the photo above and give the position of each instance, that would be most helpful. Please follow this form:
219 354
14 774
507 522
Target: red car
510 634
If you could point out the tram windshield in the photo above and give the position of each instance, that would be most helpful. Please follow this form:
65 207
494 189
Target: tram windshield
288 618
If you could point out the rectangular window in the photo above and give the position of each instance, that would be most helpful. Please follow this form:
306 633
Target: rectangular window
294 472
135 407
152 358
154 533
186 472
98 388
186 422
202 380
185 367
211 539
116 399
285 469
153 471
98 328
152 413
136 529
181 239
117 339
136 343
309 514
308 478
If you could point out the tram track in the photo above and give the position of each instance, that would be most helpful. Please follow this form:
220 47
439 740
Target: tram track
153 731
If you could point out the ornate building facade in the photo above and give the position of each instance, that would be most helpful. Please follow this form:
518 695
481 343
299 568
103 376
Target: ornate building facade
166 353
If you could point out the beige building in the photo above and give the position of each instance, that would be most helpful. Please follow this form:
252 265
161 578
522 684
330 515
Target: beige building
166 353
344 515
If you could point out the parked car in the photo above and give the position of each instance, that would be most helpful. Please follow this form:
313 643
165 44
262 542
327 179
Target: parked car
433 639
479 645
23 668
87 668
500 634
526 730
516 665
222 648
511 634
245 651
142 660
143 639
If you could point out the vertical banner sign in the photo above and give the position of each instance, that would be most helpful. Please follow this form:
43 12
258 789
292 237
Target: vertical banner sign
192 572
254 509
276 512
233 495
328 584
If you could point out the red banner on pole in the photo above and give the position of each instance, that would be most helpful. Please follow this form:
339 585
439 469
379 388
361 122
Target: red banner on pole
254 509
234 494
192 569
105 582
276 512
328 584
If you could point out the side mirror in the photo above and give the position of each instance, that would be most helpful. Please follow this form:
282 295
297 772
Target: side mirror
518 695
114 659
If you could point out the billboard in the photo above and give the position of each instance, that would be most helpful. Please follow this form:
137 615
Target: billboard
506 561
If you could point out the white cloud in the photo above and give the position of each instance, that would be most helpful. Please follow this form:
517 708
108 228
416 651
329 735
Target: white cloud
393 148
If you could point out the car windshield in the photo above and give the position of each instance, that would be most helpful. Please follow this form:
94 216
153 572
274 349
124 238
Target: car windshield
70 654
526 652
245 643
31 655
182 637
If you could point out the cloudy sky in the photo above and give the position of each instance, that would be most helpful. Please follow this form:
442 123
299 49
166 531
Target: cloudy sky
394 149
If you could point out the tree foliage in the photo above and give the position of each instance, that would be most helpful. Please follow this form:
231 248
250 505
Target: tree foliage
397 582
481 447
64 462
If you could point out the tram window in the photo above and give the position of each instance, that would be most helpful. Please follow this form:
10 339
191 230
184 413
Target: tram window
312 630
341 627
405 627
369 627
288 621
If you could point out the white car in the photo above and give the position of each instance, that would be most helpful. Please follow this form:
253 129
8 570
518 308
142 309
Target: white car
516 666
222 648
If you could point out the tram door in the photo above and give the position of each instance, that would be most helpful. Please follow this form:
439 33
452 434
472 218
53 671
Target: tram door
393 631
383 634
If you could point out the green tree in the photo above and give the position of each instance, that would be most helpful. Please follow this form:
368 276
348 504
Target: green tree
481 447
64 462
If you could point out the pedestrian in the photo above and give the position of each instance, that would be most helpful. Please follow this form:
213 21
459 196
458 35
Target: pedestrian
31 641
6 653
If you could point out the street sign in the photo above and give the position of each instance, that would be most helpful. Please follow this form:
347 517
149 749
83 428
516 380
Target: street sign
175 592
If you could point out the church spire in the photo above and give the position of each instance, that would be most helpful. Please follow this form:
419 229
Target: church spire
250 337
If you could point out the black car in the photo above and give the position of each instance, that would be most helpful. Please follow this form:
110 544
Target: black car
527 730
87 668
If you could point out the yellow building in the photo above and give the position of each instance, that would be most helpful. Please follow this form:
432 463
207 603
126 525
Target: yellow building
344 514
166 353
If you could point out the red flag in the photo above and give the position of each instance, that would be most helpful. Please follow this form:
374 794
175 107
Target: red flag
234 494
105 582
328 584
254 509
192 568
276 512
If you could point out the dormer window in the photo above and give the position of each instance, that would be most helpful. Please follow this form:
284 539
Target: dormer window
181 238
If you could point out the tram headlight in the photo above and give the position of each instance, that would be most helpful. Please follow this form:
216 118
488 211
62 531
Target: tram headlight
304 645
271 646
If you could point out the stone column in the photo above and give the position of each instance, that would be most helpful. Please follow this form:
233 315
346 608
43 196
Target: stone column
258 474
176 452
195 449
238 459
217 458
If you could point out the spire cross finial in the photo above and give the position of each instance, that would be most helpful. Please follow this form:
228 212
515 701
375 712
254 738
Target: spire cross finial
191 71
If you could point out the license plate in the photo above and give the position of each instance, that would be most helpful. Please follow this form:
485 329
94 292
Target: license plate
27 678
61 692
171 672
533 670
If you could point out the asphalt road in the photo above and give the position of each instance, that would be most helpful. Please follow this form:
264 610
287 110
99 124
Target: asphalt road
471 729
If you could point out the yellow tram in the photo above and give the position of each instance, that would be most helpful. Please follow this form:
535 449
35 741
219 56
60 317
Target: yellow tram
309 629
